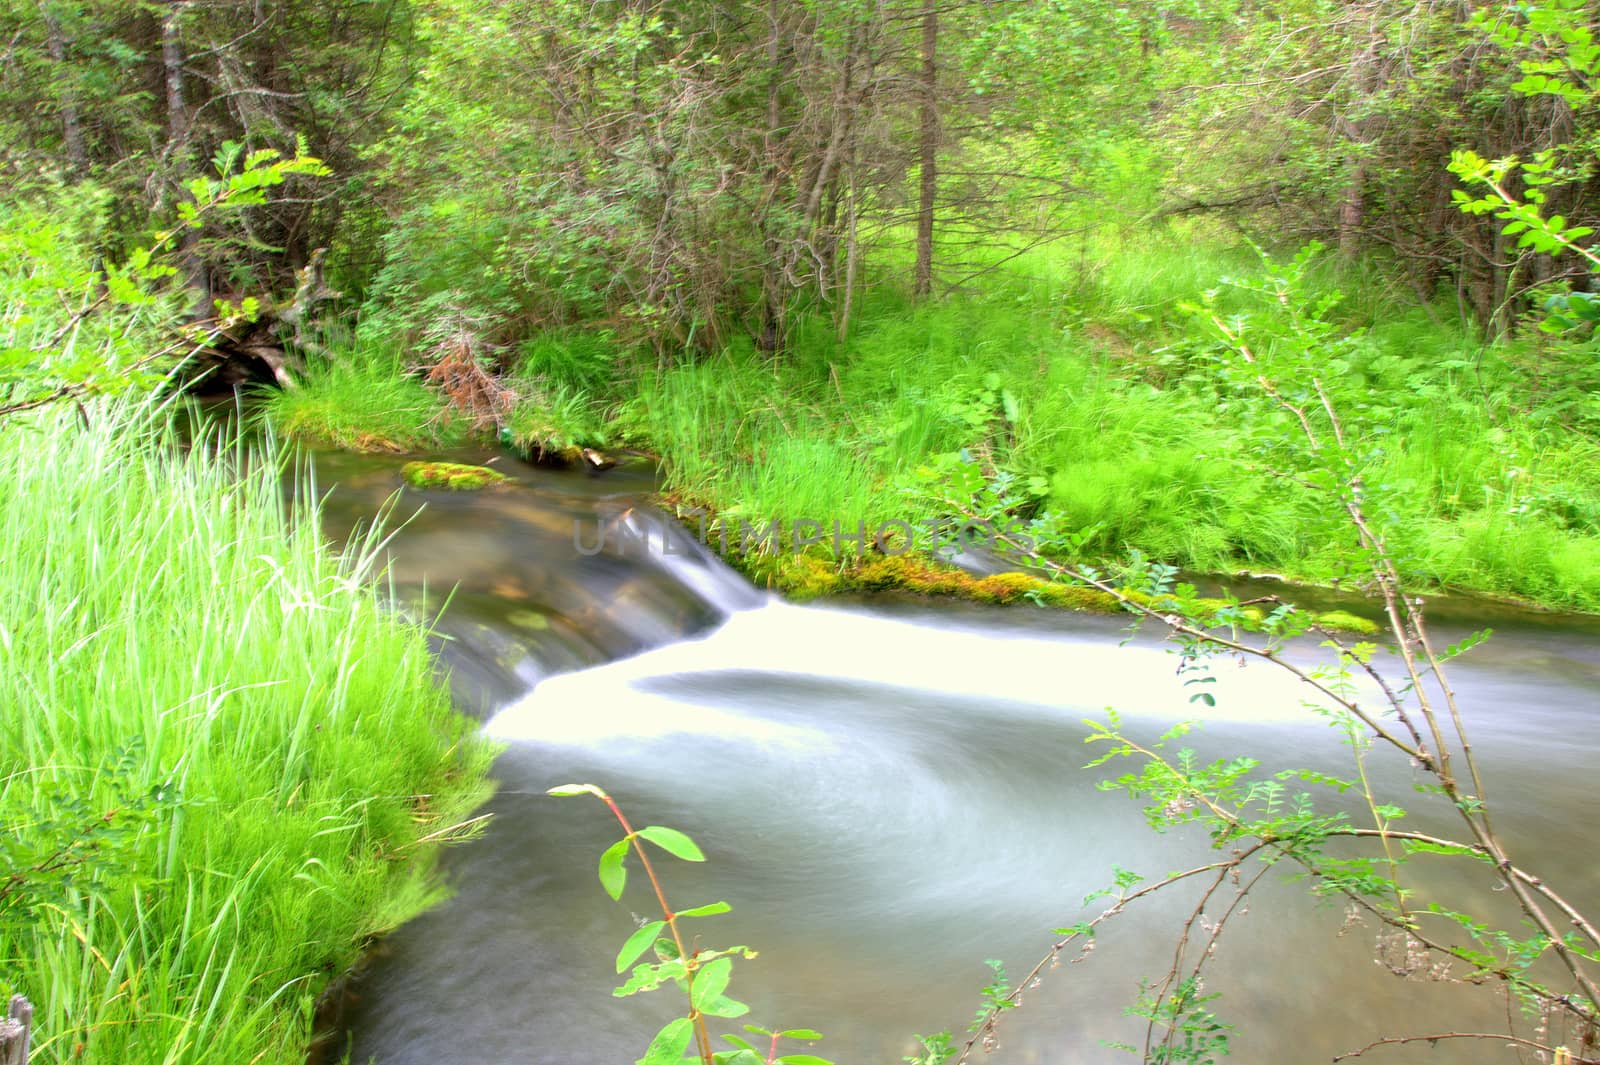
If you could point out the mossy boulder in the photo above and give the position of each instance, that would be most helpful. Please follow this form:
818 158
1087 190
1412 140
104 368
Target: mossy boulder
454 476
1346 622
926 577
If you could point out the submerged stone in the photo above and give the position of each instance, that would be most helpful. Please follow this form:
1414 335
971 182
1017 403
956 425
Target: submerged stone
455 476
1347 622
532 620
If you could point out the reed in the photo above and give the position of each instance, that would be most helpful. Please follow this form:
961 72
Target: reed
225 765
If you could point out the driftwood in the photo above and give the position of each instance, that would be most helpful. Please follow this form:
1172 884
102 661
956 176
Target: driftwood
296 317
16 1032
278 339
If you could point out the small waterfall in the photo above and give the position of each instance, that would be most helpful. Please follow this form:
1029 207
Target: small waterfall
634 530
993 663
887 796
550 573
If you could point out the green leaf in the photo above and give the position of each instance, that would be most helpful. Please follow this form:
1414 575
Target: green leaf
673 842
612 874
803 1059
669 1044
647 977
638 943
710 909
711 981
800 1033
259 156
723 1006
742 1056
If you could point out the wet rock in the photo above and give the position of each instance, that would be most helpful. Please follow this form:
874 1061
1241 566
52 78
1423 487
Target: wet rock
451 475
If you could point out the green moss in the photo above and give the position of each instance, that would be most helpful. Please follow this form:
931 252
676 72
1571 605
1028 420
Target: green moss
451 475
1011 588
807 576
798 577
1346 622
810 576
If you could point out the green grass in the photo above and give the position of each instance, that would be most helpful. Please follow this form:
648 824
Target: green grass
365 400
1084 371
222 760
553 420
368 399
1081 372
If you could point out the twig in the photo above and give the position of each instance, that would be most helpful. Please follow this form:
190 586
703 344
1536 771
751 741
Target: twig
1504 1037
987 1022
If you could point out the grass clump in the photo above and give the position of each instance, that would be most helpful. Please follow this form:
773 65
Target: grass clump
364 400
370 400
552 422
1079 375
225 765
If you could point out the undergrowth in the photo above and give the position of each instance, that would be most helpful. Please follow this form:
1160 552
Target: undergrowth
225 764
1085 372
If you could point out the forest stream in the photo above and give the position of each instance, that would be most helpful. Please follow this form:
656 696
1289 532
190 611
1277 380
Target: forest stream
888 792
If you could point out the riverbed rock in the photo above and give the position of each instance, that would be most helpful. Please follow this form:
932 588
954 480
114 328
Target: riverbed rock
1344 621
455 476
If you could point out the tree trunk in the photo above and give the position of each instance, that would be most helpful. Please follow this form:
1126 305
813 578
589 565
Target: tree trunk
1352 213
1352 206
770 338
71 119
172 74
850 259
928 149
193 267
16 1032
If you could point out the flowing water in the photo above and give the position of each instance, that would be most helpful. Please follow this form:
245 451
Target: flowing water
888 793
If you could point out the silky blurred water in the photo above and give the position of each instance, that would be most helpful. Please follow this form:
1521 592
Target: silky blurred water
888 795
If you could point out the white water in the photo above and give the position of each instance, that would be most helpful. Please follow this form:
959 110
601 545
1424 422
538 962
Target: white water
888 800
888 796
992 662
